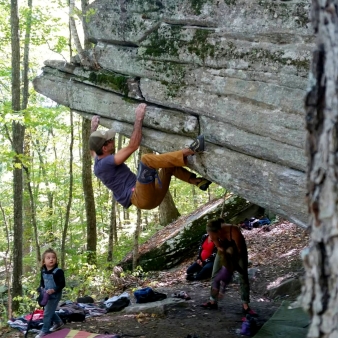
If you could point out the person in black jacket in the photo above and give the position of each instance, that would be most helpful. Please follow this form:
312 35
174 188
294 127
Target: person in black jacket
202 267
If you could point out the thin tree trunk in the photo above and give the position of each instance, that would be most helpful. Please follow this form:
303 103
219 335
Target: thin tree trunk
33 221
6 229
18 139
167 210
112 230
7 262
84 58
118 207
319 292
194 197
136 239
115 228
70 192
87 44
28 203
88 192
50 195
25 90
138 226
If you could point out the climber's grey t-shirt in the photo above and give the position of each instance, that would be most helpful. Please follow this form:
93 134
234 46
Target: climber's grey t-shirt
118 178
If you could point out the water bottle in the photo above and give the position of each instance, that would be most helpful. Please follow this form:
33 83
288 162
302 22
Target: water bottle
245 330
45 297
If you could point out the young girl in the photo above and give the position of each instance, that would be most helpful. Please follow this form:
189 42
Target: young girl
53 281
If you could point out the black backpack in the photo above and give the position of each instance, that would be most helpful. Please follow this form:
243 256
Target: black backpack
147 295
119 304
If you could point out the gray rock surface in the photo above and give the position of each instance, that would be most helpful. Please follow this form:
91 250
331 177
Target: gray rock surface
235 71
159 308
290 288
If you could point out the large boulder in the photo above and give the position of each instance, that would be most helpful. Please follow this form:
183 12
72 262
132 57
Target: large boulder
179 240
235 71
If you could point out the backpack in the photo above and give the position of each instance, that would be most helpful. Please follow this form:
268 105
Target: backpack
147 295
118 304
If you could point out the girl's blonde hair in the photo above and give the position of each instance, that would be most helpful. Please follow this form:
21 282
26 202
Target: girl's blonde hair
49 250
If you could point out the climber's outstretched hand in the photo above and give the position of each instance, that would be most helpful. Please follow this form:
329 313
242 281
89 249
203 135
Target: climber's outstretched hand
95 123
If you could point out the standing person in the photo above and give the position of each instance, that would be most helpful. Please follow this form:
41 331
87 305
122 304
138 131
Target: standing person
53 281
205 260
149 187
232 255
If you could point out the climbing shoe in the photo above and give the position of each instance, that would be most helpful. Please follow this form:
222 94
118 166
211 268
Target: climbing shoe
210 306
204 184
198 145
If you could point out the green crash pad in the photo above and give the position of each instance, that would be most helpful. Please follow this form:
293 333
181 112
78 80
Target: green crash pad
286 323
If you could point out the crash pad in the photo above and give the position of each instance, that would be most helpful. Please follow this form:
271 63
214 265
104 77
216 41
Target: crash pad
286 322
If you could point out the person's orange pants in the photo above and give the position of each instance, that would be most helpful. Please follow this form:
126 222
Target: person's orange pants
150 195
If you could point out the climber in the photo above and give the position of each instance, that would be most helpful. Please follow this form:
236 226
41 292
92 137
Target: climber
148 188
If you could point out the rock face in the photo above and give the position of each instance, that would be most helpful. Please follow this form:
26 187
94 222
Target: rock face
233 70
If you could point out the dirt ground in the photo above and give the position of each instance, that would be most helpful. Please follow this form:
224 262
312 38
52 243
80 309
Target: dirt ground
275 255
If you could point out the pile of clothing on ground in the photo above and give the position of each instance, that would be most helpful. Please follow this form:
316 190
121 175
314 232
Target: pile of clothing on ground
68 311
78 311
21 323
253 222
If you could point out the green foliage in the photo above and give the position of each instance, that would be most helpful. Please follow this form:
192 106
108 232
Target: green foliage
90 13
61 44
83 279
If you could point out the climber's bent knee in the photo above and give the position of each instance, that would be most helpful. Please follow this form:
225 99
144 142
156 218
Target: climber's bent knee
145 174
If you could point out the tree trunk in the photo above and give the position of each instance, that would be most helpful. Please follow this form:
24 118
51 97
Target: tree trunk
88 192
32 218
50 194
84 57
70 192
87 182
87 44
319 292
7 262
194 197
25 80
30 223
138 225
115 227
112 230
136 238
18 139
167 210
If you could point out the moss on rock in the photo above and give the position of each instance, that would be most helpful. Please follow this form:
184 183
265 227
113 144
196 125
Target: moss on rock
283 11
200 46
111 80
166 41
